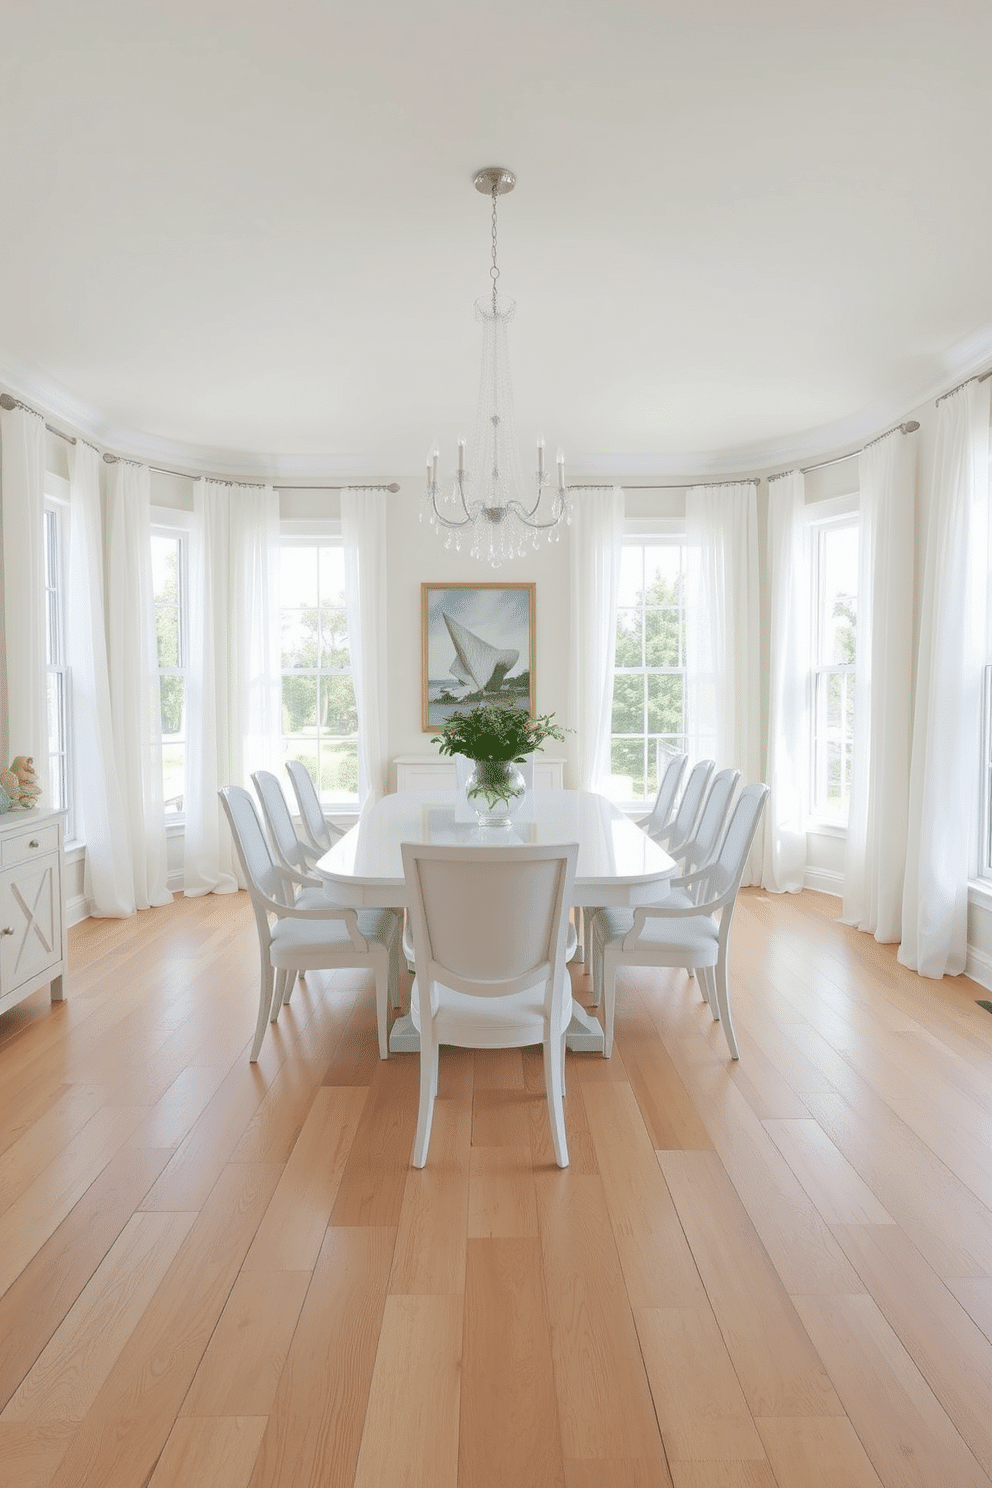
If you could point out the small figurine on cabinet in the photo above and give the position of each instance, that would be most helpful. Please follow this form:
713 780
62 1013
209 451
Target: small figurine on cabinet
22 768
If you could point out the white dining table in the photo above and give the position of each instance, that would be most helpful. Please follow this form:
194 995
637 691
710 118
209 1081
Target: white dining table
618 864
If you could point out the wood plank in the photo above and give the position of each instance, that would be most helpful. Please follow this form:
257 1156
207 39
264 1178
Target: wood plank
701 1407
30 1452
657 1264
34 1306
411 1429
431 1236
945 1220
315 1426
64 1381
905 1431
833 1185
123 1434
239 1372
820 1452
604 1404
951 1352
292 1231
616 1472
778 1368
220 1452
508 1430
666 1106
37 1213
502 1199
374 1179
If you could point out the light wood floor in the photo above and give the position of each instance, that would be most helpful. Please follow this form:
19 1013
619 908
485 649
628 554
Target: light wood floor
777 1272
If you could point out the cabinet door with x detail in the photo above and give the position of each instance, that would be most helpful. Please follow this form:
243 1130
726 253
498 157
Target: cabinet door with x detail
30 924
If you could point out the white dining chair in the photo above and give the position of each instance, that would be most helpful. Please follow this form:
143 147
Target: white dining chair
290 852
693 932
489 930
320 833
682 825
659 818
704 844
297 934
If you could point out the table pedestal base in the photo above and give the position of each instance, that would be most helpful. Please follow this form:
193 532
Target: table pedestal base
584 1034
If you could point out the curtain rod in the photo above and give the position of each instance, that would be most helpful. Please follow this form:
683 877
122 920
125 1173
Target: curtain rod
749 480
909 427
6 401
277 486
982 376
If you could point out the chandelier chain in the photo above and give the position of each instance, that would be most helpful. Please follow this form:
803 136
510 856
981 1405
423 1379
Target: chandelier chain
494 271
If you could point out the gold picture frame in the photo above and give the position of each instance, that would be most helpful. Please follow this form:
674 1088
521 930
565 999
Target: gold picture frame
468 633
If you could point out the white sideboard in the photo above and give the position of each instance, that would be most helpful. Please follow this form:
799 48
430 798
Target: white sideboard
437 772
32 918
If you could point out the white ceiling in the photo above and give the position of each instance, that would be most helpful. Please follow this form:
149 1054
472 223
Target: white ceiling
740 233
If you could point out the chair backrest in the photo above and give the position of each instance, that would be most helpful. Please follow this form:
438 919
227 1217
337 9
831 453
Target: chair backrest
490 921
668 787
320 831
288 847
707 837
691 804
262 874
727 869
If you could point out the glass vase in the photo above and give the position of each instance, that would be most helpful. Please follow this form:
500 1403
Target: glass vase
495 788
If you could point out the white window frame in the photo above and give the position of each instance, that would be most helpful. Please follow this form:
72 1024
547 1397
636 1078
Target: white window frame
822 517
177 525
309 532
640 533
56 549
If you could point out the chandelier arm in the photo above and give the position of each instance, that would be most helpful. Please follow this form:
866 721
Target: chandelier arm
559 509
465 521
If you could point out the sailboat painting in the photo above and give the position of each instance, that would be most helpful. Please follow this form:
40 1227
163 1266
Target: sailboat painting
478 647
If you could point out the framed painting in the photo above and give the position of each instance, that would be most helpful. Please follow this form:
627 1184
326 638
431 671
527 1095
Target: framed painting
479 646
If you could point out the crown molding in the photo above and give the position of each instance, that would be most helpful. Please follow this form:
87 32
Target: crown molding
964 359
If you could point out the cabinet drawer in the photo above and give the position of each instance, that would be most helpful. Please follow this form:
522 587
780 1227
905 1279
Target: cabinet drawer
28 844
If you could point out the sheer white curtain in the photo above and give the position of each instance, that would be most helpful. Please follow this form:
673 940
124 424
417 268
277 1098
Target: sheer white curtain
787 768
875 853
943 794
596 540
24 721
363 528
132 660
234 719
99 801
722 637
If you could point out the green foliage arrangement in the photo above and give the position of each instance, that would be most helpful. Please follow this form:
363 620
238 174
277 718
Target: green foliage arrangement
493 732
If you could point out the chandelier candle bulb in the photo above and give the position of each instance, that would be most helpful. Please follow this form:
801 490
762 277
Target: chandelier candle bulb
540 459
461 457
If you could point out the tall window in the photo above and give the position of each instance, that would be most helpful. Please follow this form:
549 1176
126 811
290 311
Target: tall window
57 680
985 845
320 719
170 596
649 674
835 623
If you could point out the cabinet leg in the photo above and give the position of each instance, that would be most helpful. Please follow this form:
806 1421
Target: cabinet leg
58 995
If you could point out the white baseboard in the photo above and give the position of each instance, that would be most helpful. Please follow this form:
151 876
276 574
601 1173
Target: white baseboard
824 881
979 967
77 909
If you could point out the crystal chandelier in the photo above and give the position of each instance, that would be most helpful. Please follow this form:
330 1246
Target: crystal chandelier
489 501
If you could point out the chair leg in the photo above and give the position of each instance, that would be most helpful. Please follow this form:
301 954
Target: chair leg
264 1004
283 981
428 1090
554 1086
722 994
707 989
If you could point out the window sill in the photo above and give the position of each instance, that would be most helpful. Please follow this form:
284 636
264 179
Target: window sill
826 829
980 892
